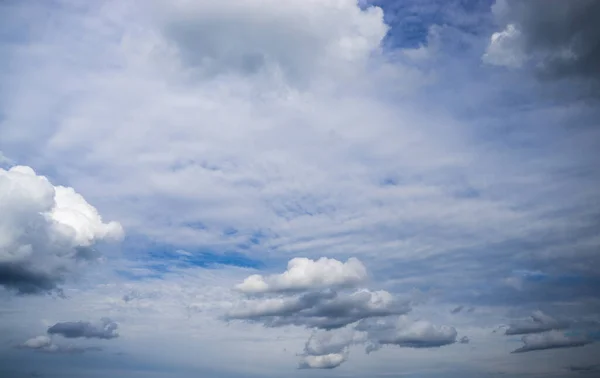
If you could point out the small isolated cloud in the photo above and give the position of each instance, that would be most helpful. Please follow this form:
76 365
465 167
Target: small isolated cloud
559 37
106 329
538 323
464 340
327 361
307 274
46 231
551 340
456 310
44 344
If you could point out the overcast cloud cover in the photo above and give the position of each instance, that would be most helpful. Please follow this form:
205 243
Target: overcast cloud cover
264 188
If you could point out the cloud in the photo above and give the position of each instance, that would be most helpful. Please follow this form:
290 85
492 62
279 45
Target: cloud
45 344
328 349
464 340
224 38
307 274
539 322
551 340
46 231
106 329
405 333
327 361
456 310
559 37
38 342
324 309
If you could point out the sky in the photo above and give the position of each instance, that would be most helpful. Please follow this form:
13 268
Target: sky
299 188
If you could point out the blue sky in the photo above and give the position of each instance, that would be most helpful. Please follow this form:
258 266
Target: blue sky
299 188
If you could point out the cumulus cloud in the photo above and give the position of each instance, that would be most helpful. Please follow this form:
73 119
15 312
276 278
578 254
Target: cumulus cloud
106 329
551 340
329 349
325 309
45 231
464 340
307 274
559 37
327 361
405 333
538 323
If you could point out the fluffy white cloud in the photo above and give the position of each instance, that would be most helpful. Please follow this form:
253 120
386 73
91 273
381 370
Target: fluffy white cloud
38 342
326 361
306 274
45 230
505 48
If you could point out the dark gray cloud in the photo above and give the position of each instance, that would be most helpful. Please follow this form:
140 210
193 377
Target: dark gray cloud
551 340
562 38
464 340
456 310
324 310
106 329
538 323
584 368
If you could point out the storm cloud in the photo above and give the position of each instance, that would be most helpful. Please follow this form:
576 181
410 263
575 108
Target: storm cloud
561 38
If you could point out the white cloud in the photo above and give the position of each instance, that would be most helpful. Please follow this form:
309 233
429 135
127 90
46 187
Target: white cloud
307 274
45 230
505 48
38 342
327 361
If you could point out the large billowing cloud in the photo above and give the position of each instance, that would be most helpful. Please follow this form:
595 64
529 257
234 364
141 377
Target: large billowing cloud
539 322
307 274
551 340
105 329
45 231
559 37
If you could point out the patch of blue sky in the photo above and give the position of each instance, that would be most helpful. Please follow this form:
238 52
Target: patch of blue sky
411 20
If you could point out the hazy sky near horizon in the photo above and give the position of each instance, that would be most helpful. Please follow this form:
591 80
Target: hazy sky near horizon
319 188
